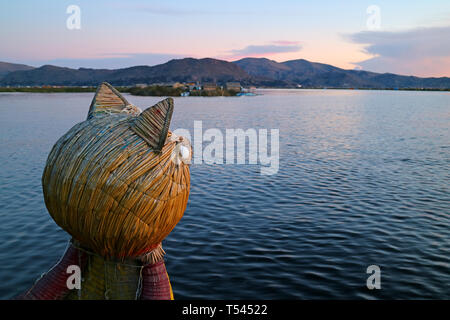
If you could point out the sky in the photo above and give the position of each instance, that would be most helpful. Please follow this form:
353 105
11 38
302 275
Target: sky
404 37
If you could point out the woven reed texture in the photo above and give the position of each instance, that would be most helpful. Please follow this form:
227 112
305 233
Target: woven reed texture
108 280
53 284
156 283
152 124
122 280
107 184
108 100
103 279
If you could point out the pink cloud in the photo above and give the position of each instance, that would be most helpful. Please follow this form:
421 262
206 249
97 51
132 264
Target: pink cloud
286 43
264 50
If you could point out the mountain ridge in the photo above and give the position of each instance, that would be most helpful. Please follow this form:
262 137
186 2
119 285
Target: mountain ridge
8 67
313 74
249 71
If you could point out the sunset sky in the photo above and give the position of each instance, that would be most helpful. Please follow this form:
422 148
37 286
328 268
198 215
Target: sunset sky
409 37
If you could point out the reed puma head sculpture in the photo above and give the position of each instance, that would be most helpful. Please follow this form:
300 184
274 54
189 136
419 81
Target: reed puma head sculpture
119 181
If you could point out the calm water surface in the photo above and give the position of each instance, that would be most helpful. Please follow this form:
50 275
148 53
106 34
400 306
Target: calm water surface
364 179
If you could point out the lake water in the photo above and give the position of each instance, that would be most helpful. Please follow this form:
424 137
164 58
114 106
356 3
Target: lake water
363 180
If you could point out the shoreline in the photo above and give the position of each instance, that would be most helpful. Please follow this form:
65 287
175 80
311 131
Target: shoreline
133 91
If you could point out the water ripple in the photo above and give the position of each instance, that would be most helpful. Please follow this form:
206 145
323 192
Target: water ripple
360 183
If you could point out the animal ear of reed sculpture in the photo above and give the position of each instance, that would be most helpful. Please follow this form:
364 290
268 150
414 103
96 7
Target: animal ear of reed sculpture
118 183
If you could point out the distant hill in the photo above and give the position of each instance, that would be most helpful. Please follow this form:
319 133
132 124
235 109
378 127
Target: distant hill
53 75
249 71
6 67
188 69
319 75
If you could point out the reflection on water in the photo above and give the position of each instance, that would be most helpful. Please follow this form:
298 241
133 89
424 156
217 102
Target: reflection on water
363 179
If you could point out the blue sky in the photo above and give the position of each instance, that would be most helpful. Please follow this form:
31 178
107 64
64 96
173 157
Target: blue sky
124 33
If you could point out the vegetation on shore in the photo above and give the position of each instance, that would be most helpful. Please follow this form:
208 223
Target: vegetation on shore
55 89
176 92
47 89
214 93
156 91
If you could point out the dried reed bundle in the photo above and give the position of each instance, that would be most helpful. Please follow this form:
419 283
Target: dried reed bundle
103 279
115 182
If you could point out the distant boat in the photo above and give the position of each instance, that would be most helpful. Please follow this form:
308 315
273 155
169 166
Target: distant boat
250 94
